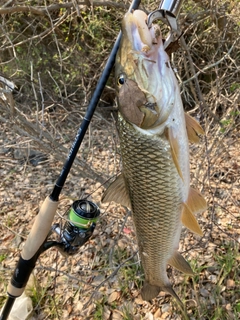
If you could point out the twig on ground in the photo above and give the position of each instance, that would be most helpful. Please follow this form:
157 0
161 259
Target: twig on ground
109 277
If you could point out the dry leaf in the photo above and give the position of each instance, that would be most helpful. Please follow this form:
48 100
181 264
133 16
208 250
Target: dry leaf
148 316
106 313
117 315
69 308
113 296
139 301
157 313
230 283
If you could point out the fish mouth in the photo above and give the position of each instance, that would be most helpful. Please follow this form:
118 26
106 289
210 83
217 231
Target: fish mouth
143 74
144 40
143 61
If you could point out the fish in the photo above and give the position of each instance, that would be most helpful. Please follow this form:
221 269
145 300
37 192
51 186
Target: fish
154 133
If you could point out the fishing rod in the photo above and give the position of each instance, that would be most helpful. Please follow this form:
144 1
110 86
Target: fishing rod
82 216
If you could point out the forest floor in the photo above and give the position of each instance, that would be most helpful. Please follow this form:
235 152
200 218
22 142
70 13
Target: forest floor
103 280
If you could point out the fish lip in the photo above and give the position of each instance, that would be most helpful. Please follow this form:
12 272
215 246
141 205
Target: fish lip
145 40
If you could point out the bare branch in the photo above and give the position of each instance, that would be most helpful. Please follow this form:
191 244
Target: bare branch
212 65
200 95
25 128
38 36
42 10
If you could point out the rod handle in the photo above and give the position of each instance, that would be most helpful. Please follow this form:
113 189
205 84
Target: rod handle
30 252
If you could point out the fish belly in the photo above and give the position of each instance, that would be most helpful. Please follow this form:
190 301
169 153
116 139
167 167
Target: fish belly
156 196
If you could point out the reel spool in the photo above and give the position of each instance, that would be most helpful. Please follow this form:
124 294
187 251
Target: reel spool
82 219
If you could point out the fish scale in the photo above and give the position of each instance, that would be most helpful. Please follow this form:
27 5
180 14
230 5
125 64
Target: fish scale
155 204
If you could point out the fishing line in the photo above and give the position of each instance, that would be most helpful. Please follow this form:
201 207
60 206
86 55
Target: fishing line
113 177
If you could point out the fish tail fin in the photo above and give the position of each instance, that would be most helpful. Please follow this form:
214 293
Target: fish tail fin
150 291
170 290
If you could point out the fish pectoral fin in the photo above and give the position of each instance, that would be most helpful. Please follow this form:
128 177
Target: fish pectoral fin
174 149
178 262
194 204
117 192
193 129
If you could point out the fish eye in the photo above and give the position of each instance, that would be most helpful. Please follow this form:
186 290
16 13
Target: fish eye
121 79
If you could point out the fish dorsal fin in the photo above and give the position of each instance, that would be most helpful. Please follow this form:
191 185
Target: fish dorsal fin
117 192
194 204
178 262
174 149
193 129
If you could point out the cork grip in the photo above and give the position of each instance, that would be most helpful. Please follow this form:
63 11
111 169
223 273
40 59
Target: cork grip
40 228
35 239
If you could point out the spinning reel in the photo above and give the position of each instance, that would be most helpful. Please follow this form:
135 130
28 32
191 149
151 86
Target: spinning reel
81 222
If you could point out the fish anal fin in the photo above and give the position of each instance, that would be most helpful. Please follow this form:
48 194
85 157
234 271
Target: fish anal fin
177 261
174 149
189 220
194 204
193 129
117 192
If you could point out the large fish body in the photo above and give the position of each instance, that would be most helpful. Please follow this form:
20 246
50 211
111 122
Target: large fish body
154 147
